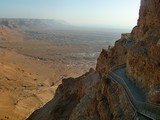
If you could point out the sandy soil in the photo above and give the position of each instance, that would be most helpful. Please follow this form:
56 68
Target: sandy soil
31 70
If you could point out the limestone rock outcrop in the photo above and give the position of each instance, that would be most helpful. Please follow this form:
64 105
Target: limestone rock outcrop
86 98
113 56
148 23
74 99
143 59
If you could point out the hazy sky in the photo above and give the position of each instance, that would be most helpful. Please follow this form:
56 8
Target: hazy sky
104 13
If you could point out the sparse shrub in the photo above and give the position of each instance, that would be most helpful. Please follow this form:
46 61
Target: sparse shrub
106 80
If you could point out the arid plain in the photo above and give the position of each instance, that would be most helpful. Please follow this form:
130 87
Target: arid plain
34 60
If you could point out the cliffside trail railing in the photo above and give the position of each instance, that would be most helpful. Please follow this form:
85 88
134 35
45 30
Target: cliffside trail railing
146 109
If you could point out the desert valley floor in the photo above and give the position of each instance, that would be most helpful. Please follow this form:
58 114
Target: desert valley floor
32 65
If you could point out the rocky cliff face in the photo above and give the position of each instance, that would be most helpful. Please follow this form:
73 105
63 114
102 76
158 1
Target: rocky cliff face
113 56
148 23
92 96
86 98
143 60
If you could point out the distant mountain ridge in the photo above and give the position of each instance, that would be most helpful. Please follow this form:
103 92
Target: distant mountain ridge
33 23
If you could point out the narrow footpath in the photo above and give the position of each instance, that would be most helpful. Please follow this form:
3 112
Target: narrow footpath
135 94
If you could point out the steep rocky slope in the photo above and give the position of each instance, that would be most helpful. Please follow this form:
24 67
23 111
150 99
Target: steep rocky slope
143 60
148 23
7 34
95 97
86 98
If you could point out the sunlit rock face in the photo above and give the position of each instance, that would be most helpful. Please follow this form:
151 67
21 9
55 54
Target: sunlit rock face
86 98
113 56
143 60
149 20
